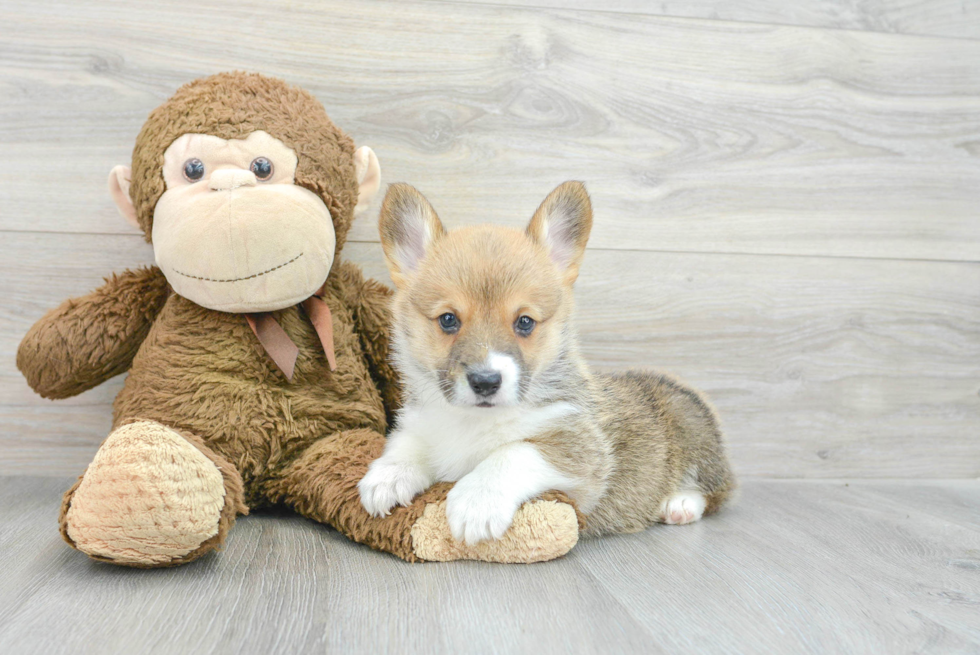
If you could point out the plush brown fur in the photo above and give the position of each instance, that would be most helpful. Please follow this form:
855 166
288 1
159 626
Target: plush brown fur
202 373
232 106
85 341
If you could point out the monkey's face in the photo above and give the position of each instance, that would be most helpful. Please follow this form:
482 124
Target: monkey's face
233 232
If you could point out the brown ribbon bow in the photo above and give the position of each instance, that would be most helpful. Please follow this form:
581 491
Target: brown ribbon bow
281 348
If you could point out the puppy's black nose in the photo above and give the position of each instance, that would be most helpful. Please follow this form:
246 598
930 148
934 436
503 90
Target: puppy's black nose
484 383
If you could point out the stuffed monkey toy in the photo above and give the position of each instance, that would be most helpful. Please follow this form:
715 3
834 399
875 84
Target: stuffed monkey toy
257 357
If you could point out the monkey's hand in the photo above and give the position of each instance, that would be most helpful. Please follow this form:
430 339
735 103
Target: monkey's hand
370 301
87 340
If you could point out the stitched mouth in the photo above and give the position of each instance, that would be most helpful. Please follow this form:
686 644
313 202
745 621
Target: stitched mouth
239 279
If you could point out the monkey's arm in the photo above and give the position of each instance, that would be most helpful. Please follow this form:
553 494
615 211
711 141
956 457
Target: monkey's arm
370 302
89 339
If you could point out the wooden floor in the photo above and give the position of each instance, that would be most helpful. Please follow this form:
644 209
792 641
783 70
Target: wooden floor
793 567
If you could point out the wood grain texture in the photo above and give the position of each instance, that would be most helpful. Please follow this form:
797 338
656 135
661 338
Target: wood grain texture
761 193
950 18
818 367
793 567
692 135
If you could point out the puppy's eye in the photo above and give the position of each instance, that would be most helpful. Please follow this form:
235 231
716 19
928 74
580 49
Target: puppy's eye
524 325
262 168
449 323
193 170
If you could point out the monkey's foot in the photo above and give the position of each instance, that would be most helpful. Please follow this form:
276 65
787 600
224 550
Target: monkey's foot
149 498
542 530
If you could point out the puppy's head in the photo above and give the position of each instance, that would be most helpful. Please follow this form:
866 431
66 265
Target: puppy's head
480 312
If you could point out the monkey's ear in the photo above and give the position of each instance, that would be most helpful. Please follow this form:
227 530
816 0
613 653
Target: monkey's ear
562 224
368 172
119 179
408 226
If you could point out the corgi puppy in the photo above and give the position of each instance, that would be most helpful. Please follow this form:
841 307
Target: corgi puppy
499 400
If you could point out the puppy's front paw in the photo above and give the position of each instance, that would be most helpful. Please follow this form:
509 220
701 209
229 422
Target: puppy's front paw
477 512
388 484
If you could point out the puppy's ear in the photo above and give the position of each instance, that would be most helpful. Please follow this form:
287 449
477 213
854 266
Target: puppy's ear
562 225
409 226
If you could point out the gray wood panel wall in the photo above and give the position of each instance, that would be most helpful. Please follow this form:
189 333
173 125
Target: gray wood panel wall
787 212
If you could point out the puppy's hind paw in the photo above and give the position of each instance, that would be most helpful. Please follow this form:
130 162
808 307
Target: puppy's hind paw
683 507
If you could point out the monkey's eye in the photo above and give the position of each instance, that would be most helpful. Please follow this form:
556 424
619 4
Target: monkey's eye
193 170
262 168
524 325
449 323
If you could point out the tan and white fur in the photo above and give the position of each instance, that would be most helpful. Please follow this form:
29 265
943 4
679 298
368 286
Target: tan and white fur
498 398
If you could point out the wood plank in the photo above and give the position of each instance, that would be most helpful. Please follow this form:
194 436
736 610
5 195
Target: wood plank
284 584
792 567
819 367
796 141
949 18
818 568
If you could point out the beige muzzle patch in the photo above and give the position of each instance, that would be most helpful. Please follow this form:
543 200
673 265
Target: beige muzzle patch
243 249
148 497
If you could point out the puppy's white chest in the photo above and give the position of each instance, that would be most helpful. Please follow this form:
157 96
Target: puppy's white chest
455 440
